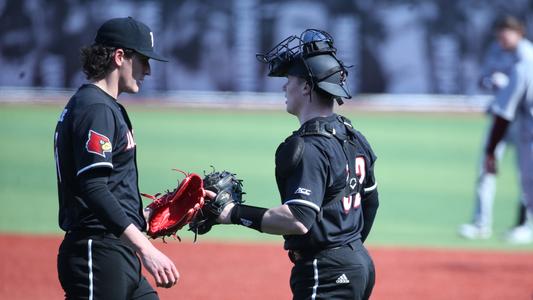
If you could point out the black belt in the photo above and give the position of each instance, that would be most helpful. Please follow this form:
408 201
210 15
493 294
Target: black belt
296 255
87 233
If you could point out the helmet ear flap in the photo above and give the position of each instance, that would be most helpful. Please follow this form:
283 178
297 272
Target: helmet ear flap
328 74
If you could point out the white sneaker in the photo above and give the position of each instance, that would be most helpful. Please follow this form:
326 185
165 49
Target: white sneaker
522 234
474 232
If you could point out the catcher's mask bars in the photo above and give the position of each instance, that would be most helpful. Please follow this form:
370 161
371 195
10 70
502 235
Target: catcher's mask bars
311 56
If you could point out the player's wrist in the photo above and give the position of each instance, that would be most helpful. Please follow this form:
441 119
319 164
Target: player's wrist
225 215
147 212
249 216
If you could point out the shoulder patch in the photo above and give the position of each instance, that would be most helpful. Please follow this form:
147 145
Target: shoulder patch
289 155
98 143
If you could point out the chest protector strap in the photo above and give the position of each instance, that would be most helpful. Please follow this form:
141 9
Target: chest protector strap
349 147
317 128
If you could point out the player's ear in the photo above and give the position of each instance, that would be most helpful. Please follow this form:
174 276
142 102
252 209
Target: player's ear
306 87
118 57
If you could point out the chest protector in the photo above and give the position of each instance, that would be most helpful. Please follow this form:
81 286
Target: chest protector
356 153
339 220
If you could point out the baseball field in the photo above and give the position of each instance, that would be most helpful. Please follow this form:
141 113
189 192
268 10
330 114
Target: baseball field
426 170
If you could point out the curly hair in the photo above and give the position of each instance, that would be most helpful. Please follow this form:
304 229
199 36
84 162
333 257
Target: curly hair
97 60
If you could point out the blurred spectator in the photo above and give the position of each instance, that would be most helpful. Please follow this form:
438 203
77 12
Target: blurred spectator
441 36
17 45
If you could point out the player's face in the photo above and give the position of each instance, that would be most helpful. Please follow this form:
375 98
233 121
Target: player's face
508 38
293 89
132 73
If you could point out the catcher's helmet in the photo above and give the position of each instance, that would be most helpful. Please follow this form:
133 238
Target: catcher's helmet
312 57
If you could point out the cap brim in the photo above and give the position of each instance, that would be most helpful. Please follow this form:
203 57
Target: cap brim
152 55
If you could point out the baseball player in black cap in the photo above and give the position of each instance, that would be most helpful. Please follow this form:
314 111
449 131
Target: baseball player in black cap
325 177
100 208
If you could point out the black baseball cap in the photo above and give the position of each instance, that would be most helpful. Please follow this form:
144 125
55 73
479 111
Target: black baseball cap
128 33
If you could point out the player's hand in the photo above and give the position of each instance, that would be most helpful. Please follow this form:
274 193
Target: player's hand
499 80
225 216
209 195
156 263
490 164
160 266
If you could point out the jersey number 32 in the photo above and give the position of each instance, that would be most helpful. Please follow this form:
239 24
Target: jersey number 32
354 200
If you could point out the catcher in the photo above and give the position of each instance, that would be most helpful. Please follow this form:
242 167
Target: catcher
325 177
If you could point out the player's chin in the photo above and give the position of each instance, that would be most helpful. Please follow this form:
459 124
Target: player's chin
289 108
134 88
290 111
138 84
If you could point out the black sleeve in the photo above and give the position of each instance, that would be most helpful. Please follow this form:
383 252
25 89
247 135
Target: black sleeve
497 132
98 198
305 214
369 206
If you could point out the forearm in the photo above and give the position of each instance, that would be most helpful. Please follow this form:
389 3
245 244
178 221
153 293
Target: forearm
369 207
96 195
133 237
278 220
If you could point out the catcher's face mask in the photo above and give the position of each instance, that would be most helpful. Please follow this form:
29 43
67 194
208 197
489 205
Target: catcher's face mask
310 56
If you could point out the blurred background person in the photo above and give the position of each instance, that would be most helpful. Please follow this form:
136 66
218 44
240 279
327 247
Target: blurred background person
18 45
511 49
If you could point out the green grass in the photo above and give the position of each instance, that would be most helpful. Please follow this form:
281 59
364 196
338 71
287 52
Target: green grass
426 167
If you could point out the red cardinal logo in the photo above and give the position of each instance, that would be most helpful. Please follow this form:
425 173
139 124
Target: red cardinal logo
98 143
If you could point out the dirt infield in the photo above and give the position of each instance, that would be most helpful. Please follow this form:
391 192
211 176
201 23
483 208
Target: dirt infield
261 271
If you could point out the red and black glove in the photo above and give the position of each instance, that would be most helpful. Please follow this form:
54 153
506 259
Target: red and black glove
169 212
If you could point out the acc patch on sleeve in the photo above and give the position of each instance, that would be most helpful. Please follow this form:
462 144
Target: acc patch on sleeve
98 143
289 155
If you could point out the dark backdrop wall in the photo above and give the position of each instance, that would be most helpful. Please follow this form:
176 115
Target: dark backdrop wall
395 46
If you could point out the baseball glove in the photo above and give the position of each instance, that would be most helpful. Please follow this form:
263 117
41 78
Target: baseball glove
169 212
228 189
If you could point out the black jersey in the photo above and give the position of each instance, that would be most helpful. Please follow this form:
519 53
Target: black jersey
94 131
332 175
